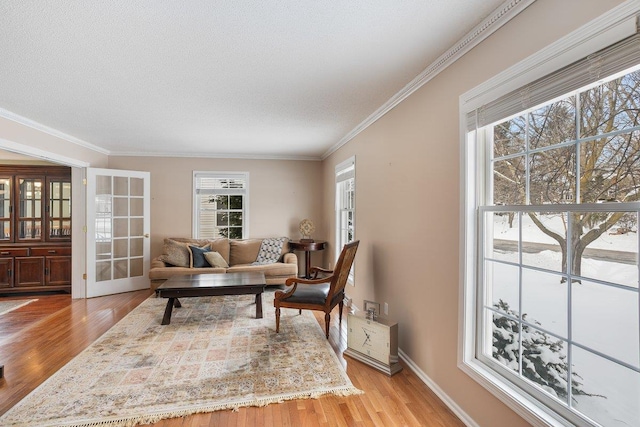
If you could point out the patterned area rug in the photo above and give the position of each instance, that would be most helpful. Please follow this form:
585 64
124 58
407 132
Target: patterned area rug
214 355
7 306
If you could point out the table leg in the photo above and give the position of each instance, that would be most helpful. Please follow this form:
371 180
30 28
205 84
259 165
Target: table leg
307 264
259 305
167 311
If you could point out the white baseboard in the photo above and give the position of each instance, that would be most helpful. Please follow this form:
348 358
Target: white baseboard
451 404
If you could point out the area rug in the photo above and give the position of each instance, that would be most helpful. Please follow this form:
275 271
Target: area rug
7 306
214 355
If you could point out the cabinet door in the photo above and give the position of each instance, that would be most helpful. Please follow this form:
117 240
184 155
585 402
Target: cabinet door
29 271
58 270
29 209
5 209
6 272
58 210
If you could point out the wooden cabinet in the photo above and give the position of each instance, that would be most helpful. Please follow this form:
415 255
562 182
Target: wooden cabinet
35 229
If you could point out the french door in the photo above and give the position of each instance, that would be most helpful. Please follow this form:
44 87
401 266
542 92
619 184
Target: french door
117 231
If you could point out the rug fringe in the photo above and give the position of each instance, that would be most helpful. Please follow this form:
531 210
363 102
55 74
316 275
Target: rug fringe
234 407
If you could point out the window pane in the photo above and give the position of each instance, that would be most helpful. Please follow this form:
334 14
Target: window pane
544 362
503 287
611 106
614 390
222 202
509 137
607 248
552 124
509 181
506 235
235 202
235 218
606 319
235 233
506 346
539 248
544 300
610 169
552 176
222 218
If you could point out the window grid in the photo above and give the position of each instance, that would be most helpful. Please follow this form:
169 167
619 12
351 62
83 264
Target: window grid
220 205
569 204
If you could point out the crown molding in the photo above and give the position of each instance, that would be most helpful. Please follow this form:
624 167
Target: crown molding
49 130
500 16
213 156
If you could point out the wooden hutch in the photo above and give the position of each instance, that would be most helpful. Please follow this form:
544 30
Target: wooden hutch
35 228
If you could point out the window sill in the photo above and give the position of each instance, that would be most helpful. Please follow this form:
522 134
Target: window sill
514 398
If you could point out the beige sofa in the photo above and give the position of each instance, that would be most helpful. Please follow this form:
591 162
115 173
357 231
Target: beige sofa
237 254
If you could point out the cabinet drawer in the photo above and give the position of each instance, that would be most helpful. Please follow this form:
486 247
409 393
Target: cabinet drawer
14 252
51 251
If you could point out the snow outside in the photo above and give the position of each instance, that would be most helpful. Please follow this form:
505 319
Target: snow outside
602 318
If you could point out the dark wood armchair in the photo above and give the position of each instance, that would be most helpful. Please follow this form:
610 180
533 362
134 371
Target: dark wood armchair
321 294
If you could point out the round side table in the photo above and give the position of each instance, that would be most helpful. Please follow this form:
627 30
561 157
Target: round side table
307 247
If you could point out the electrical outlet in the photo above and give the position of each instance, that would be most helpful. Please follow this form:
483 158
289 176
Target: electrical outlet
386 309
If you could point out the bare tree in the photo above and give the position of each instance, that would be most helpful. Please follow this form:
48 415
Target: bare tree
603 167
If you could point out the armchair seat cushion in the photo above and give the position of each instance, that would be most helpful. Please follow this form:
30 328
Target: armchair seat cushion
308 294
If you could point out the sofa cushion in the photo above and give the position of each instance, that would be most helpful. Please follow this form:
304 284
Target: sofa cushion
220 245
215 259
176 253
279 269
244 251
197 256
270 250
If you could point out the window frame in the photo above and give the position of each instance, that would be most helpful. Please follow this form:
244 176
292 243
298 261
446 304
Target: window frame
602 32
345 172
235 192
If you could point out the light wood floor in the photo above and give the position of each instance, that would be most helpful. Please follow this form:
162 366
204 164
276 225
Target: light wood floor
38 339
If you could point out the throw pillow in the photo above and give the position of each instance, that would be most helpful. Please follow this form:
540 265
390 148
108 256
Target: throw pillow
197 256
215 259
176 253
270 250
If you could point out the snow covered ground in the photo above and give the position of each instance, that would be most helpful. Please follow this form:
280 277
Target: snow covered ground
603 318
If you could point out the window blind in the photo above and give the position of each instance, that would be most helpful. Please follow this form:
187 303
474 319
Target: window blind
599 65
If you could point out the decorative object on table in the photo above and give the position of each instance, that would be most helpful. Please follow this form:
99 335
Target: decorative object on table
306 230
371 309
214 355
321 294
374 342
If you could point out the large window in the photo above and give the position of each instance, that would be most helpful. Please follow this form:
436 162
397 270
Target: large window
221 205
345 205
556 272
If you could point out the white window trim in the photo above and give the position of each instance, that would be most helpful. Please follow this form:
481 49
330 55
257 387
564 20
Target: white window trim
604 31
195 217
339 177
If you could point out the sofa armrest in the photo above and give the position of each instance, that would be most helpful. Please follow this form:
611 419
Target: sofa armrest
158 263
290 258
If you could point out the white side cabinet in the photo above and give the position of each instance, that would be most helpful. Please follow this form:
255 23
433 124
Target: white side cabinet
374 342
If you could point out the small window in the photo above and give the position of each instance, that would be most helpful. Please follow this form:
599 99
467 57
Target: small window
220 205
345 206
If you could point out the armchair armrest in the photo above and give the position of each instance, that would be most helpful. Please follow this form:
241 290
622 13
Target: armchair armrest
290 258
315 270
293 283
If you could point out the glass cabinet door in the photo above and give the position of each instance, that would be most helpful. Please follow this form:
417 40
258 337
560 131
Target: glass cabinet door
29 212
5 209
59 209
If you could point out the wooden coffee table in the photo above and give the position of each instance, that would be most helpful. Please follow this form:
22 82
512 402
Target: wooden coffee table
203 285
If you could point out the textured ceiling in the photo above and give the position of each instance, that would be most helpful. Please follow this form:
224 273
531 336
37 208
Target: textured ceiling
229 78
